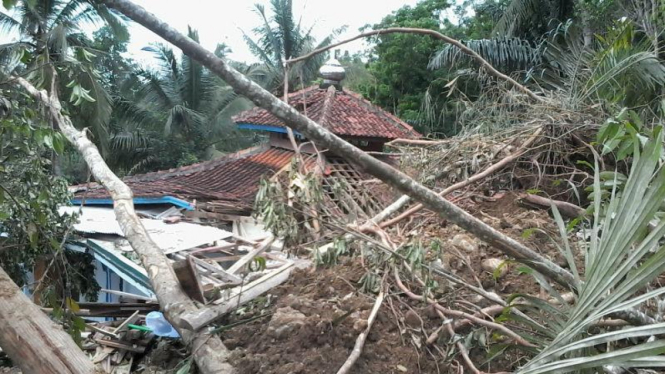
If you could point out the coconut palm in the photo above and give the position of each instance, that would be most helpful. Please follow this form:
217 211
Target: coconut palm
178 103
49 35
280 38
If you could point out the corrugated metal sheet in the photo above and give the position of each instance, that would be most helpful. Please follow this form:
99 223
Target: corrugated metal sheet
170 237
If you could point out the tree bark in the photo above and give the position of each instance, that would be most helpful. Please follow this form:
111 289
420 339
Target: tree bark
566 209
292 118
208 351
34 342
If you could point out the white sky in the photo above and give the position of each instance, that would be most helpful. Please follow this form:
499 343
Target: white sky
221 21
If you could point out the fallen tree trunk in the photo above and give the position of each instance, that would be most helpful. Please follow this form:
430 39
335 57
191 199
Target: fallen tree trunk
34 342
566 209
324 138
208 351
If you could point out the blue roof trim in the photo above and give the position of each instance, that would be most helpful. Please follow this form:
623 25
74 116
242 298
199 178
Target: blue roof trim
139 201
253 126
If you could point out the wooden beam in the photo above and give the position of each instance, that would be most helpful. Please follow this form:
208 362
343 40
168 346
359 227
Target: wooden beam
224 275
211 215
246 293
189 279
250 256
115 344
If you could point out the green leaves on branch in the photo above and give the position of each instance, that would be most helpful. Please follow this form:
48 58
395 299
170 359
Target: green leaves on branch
79 94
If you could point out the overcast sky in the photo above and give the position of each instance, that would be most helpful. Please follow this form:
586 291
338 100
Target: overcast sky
221 21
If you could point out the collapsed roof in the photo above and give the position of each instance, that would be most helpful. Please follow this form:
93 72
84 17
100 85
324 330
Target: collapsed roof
232 180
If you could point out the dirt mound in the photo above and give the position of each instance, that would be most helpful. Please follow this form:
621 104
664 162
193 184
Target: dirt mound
330 314
310 323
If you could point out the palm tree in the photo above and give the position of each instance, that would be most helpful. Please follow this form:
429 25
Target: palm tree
280 38
179 103
49 35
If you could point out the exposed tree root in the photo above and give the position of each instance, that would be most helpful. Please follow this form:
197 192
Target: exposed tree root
360 341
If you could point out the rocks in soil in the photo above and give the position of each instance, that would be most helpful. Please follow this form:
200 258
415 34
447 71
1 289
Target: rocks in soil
464 243
292 368
412 319
285 322
491 265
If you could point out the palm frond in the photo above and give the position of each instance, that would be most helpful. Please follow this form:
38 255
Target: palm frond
621 259
515 15
505 54
9 24
98 113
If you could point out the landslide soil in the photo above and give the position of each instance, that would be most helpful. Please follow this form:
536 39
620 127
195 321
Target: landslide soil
331 311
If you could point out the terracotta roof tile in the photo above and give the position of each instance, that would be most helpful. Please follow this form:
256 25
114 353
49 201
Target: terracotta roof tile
343 112
233 178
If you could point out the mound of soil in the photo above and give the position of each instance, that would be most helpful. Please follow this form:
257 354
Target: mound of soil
330 314
310 324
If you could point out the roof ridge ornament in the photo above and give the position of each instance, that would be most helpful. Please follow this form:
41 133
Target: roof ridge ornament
332 73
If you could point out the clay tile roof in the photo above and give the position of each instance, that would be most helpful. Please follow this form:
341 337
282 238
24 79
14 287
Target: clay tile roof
233 179
344 113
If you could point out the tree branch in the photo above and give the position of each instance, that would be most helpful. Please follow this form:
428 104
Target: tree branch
208 351
326 139
474 178
407 30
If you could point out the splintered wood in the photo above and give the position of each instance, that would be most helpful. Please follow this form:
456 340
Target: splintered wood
115 343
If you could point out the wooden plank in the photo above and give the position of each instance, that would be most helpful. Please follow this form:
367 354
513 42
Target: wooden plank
211 215
221 248
224 275
250 256
119 345
256 288
102 331
189 279
197 320
130 295
128 321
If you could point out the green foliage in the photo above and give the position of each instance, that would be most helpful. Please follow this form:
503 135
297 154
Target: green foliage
617 69
279 38
285 206
621 258
399 64
180 111
30 225
331 256
51 39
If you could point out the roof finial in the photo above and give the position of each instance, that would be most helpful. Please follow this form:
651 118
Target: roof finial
332 73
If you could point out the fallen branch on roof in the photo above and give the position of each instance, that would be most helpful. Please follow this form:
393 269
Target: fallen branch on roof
437 35
324 138
416 142
208 351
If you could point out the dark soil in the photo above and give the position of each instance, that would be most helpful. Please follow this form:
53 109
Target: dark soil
326 339
334 310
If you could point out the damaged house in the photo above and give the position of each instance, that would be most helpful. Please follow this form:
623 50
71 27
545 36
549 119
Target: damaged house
201 213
